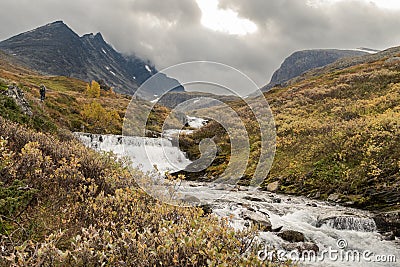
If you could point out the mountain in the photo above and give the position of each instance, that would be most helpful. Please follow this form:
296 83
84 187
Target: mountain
391 54
301 61
68 105
55 49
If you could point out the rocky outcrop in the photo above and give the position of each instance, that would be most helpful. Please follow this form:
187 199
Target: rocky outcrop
55 49
17 94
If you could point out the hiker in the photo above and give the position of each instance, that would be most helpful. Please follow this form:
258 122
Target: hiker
42 92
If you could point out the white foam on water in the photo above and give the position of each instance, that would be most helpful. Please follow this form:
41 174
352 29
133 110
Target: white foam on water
143 151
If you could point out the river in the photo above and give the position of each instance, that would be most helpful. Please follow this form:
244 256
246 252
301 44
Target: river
293 226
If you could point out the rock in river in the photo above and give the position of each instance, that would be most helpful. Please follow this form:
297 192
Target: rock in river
292 236
258 219
273 187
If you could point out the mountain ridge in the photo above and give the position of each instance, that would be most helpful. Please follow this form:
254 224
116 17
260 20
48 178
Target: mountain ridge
55 49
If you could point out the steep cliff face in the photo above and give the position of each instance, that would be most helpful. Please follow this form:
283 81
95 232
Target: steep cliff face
55 49
302 61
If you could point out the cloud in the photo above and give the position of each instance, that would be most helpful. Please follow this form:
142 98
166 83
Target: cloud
170 31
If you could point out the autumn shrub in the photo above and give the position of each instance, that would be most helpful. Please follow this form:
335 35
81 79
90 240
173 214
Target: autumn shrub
65 205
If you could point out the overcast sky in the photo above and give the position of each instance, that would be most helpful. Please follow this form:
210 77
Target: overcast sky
253 36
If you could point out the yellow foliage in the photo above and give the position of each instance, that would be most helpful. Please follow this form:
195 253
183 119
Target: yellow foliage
99 119
93 89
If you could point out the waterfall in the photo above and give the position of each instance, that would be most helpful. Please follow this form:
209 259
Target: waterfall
144 152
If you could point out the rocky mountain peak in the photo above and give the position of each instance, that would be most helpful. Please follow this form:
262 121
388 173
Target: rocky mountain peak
302 61
55 49
99 37
54 28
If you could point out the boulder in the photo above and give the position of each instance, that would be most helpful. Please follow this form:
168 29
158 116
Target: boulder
276 230
273 187
276 200
255 199
292 236
334 197
259 219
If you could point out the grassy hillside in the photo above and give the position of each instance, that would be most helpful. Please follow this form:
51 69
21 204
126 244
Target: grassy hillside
67 103
337 133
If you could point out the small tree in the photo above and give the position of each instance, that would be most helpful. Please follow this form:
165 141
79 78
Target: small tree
101 120
93 89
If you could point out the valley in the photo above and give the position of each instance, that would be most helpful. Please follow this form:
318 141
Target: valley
79 189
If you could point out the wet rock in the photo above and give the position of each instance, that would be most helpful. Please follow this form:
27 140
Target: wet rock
273 187
238 188
255 199
388 222
276 200
292 236
396 233
389 236
276 230
389 197
263 211
311 247
334 197
258 219
152 134
242 188
250 208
